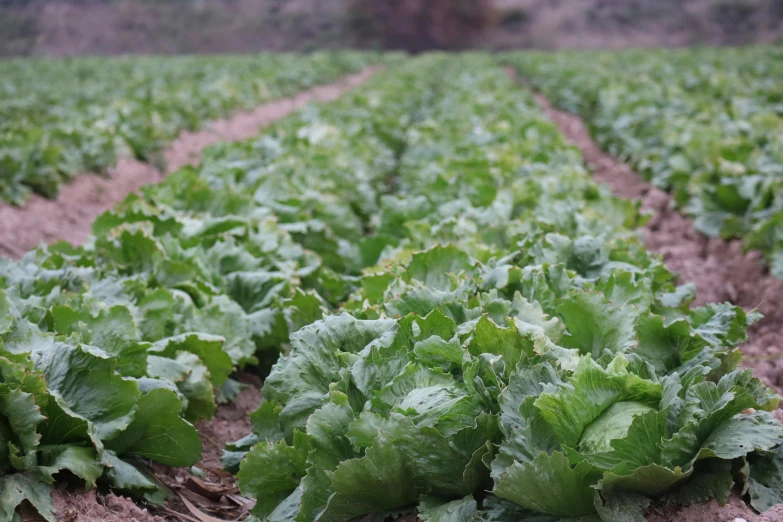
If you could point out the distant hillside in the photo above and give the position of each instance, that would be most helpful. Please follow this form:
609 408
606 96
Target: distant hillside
74 27
636 23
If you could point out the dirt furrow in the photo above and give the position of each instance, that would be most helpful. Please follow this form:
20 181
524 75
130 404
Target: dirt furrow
720 269
71 214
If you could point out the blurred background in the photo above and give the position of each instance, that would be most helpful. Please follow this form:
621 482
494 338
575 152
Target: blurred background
77 27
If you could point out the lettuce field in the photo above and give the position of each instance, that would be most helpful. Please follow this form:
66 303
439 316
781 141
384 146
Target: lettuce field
704 124
447 318
59 118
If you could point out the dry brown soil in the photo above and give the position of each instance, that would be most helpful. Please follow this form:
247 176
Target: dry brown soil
89 506
71 214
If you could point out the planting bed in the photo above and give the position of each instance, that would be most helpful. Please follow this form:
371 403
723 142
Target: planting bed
719 269
705 125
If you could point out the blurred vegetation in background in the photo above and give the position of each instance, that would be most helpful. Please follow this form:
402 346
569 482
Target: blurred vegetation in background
76 27
416 25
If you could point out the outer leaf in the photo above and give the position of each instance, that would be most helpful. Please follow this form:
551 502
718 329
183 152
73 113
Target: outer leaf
158 432
435 510
649 480
22 415
712 479
82 462
548 484
327 428
30 486
742 435
765 484
124 476
271 472
87 387
374 483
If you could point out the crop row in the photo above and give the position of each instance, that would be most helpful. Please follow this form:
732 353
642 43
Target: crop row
468 325
705 124
59 118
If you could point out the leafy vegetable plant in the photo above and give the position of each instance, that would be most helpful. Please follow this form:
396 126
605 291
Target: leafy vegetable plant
467 325
519 358
704 124
59 118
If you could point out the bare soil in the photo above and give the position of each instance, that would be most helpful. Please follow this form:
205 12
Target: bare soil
735 510
230 423
70 215
89 506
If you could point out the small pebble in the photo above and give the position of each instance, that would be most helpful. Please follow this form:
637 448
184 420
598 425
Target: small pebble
740 520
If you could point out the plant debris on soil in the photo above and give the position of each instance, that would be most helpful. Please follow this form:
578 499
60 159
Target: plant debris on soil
213 496
70 215
215 493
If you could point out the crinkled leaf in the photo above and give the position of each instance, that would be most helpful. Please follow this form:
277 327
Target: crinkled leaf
377 482
765 484
31 486
271 472
87 387
548 484
595 325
